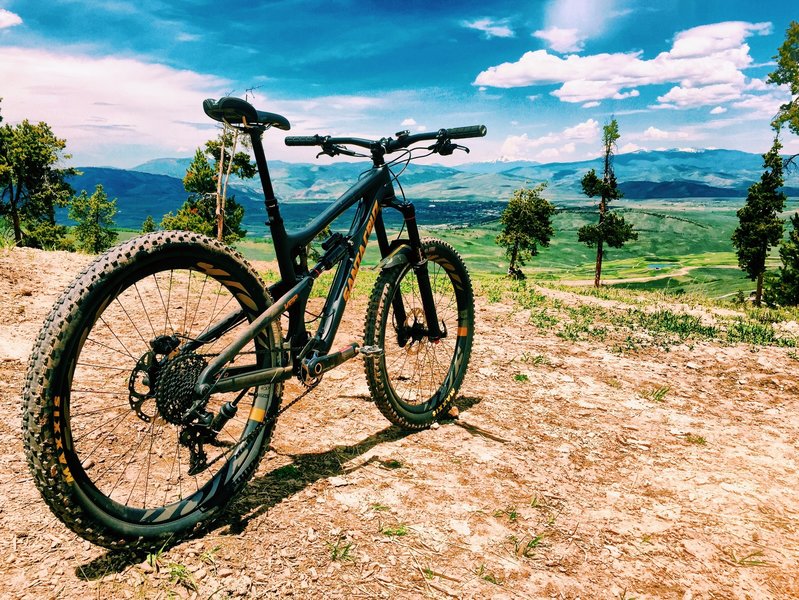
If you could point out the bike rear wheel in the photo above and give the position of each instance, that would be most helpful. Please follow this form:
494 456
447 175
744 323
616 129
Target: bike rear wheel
112 373
415 380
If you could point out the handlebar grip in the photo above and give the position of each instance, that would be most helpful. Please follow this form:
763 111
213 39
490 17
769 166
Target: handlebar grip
302 140
456 133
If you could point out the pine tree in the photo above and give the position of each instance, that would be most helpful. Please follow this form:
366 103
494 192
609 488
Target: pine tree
612 229
95 218
526 225
784 285
759 226
209 210
31 186
787 73
148 225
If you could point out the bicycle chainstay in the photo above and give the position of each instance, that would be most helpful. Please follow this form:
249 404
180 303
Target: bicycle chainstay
250 436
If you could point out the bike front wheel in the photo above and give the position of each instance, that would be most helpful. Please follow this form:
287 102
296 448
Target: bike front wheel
111 379
414 380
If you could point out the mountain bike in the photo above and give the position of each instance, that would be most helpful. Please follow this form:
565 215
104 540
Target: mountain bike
156 381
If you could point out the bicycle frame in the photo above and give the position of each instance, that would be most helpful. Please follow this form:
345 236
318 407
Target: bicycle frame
303 356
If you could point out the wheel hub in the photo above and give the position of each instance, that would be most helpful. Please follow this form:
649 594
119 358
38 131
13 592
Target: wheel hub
415 330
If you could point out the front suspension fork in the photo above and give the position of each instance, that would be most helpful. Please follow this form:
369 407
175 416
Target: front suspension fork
419 266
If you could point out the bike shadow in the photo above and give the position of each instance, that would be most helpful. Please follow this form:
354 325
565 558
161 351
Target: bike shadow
264 492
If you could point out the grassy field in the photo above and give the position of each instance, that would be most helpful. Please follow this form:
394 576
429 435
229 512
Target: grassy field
672 235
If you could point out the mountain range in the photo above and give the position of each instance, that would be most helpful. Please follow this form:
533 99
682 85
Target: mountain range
156 187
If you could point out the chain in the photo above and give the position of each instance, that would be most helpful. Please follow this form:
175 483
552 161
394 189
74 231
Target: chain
252 435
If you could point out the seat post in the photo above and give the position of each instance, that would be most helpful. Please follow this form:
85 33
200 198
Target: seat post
276 226
263 170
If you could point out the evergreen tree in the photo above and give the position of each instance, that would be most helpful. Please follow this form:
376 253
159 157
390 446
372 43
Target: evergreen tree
787 73
31 186
526 225
95 218
612 229
148 225
760 227
784 285
209 210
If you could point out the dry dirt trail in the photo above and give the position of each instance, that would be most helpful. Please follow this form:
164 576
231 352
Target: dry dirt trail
681 272
565 476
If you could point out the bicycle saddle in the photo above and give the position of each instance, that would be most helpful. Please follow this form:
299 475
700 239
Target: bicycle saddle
235 110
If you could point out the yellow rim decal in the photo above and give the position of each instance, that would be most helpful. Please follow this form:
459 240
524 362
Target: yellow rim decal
209 269
248 302
234 284
257 414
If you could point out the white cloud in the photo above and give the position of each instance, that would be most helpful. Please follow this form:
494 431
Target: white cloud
629 147
757 85
564 152
9 19
534 97
105 107
719 110
561 40
412 123
764 105
592 104
705 62
690 97
490 27
588 18
188 37
587 130
654 134
708 40
624 95
553 146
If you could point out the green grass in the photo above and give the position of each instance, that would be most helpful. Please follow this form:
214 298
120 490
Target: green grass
672 235
486 575
340 550
698 440
639 319
395 531
658 394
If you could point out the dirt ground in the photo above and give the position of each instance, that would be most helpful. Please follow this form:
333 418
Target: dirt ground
566 475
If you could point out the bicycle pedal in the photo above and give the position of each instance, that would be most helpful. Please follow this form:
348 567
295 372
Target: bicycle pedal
370 351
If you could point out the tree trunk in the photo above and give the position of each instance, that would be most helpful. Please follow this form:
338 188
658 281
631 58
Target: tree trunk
759 290
225 182
513 256
599 245
220 200
598 268
14 202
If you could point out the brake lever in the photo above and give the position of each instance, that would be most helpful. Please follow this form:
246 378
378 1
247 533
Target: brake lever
446 147
334 150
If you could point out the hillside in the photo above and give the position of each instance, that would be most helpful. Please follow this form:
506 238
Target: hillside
155 187
615 446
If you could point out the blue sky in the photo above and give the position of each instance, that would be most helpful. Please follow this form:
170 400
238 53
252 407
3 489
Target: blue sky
123 80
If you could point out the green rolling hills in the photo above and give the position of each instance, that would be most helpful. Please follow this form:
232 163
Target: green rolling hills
682 203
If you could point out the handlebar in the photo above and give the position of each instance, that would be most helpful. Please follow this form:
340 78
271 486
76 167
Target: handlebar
303 140
403 140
